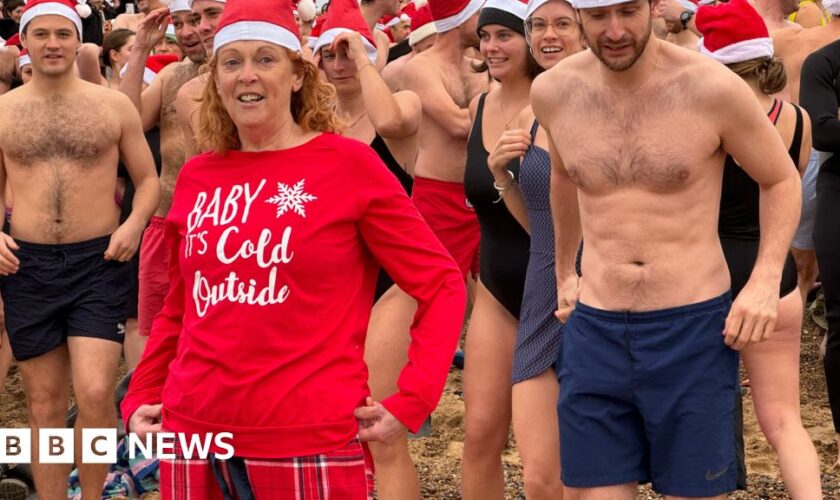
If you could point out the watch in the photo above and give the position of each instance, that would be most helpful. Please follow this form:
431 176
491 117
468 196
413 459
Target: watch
685 17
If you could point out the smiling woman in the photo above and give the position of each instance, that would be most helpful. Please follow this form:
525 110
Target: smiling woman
276 235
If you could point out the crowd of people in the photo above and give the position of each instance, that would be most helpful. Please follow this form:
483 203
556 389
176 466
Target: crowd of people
282 218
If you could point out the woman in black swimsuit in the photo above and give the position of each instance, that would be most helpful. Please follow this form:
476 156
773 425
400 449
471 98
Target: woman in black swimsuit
504 250
773 365
389 123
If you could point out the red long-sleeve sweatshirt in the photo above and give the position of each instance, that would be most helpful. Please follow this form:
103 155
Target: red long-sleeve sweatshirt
275 257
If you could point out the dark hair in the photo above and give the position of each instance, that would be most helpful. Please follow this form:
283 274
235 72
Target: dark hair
11 5
768 72
115 40
532 68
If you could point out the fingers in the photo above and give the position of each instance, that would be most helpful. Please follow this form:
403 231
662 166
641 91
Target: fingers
9 263
732 327
367 412
745 334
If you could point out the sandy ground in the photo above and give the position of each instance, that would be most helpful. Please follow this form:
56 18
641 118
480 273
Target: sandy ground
438 456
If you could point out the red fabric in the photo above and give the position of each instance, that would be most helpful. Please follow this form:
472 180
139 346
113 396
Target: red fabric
729 23
285 377
13 40
346 14
153 273
344 473
421 17
279 13
445 207
157 62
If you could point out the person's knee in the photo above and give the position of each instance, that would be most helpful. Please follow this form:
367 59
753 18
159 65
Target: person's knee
95 398
485 440
47 409
541 483
777 423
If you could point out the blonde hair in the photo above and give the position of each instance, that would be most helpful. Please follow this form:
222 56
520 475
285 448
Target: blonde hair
312 107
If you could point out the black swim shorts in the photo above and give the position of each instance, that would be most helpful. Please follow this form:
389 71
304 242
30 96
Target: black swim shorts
64 290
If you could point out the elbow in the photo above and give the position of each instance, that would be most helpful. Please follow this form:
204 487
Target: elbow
395 127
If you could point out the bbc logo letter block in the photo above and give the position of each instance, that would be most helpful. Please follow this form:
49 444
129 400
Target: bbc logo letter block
57 446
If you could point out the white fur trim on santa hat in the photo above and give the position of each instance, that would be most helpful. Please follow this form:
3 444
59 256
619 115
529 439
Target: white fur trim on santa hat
330 35
24 60
741 51
392 22
832 7
533 5
405 18
421 33
688 5
452 22
514 7
148 75
379 26
179 6
51 8
594 4
218 1
311 41
256 30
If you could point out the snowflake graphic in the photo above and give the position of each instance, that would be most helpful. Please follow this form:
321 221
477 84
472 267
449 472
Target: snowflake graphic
291 198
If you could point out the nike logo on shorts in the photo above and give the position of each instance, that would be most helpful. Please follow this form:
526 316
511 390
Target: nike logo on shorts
711 476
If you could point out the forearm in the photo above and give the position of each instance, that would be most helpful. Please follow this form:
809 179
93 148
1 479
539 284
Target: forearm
146 200
567 230
384 112
779 209
131 83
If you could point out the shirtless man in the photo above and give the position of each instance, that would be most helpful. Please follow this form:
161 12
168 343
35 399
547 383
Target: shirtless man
132 21
652 321
372 11
187 101
156 105
445 81
65 282
422 37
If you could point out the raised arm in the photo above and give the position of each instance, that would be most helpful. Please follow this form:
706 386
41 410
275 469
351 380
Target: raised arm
743 125
393 116
150 32
437 102
186 107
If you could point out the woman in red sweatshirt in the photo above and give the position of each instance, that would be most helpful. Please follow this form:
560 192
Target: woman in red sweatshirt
277 235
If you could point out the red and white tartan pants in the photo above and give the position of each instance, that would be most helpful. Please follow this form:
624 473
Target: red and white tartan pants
342 474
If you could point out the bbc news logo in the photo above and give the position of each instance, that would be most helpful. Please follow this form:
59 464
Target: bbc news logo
99 446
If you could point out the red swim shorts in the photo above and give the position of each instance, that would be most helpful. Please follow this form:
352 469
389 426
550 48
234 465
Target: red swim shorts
154 275
445 207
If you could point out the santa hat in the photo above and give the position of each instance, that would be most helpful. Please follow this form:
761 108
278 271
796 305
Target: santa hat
269 21
422 26
179 6
449 14
733 32
832 7
389 21
69 9
508 13
344 16
13 41
315 32
191 2
24 59
154 64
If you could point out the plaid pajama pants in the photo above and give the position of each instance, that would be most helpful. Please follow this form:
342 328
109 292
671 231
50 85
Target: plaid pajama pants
342 474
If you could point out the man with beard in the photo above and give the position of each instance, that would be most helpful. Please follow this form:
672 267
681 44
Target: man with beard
187 101
445 81
650 362
66 281
156 105
132 21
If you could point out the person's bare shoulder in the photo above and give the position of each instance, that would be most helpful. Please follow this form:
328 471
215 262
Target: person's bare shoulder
194 87
560 79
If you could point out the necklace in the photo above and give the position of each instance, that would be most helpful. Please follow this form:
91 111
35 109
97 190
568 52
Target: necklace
515 114
354 122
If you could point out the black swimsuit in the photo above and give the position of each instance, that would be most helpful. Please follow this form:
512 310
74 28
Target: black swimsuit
738 225
384 282
505 246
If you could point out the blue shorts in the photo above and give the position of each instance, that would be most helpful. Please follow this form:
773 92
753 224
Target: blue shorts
649 396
